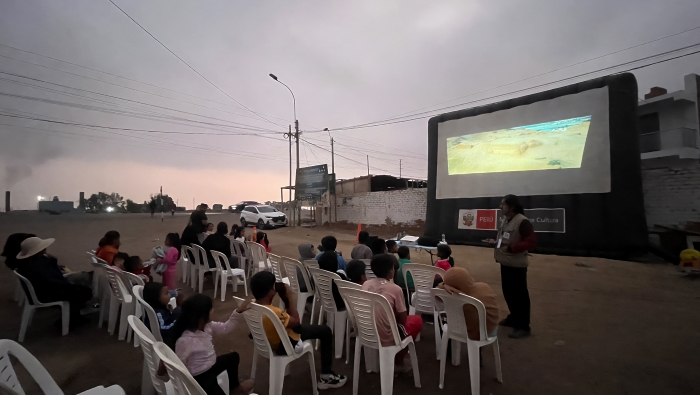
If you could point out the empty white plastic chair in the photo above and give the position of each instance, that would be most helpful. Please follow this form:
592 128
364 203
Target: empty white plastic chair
228 273
150 380
311 263
184 263
32 303
337 320
202 263
258 255
365 306
10 382
368 269
293 267
191 257
456 329
240 250
120 300
278 363
420 301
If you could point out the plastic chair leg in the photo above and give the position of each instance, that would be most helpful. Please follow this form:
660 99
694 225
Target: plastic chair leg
201 281
474 368
372 360
312 368
386 361
26 313
347 342
254 364
222 380
234 284
414 364
313 310
356 367
245 286
276 378
114 305
437 334
497 359
65 317
224 280
147 387
123 324
215 277
340 321
456 352
443 358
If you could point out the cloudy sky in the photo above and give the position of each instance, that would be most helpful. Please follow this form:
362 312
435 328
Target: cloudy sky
125 115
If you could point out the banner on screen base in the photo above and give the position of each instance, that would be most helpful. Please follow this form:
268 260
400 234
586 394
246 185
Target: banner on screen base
544 220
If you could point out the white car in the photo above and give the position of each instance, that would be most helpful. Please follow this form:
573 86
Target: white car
262 216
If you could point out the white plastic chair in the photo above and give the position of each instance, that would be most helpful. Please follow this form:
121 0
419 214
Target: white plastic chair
351 330
364 306
130 281
32 303
184 263
290 267
240 250
278 363
311 263
99 270
96 271
456 329
150 313
258 255
421 301
276 266
182 381
324 286
226 273
150 380
19 293
369 274
202 263
121 298
191 257
10 382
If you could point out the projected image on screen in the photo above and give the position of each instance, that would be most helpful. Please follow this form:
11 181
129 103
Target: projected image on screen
543 146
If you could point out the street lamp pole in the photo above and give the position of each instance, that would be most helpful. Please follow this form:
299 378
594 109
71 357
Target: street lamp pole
296 137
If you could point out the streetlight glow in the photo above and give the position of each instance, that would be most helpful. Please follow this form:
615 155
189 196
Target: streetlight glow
39 198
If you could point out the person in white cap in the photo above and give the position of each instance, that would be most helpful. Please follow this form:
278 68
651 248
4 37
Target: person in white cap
47 279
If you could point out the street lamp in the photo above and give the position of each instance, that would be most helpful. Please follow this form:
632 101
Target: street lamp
296 136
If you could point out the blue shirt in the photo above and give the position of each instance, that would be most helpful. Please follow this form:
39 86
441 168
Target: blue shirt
341 261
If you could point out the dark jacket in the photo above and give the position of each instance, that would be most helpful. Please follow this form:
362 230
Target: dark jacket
217 242
45 275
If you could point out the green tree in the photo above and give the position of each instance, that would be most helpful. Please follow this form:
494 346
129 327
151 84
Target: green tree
103 202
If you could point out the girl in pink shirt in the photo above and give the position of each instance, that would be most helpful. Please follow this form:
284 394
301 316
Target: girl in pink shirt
445 262
194 347
172 255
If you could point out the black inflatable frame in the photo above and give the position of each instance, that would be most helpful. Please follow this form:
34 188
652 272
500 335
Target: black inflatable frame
600 224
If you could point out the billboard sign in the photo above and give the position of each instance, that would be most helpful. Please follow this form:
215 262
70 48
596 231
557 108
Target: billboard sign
544 220
311 182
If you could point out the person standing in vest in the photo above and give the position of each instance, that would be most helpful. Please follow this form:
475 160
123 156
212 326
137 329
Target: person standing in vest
516 237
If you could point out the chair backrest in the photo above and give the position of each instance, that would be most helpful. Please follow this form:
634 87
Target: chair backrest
8 377
183 382
453 305
147 340
290 267
221 261
254 317
368 269
364 307
183 253
423 279
310 263
241 251
27 288
324 286
200 255
116 283
276 266
351 285
257 253
152 317
131 279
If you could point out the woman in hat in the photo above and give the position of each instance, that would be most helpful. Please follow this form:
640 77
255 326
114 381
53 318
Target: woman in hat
49 284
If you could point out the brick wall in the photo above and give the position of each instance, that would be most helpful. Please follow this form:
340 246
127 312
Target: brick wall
376 208
672 197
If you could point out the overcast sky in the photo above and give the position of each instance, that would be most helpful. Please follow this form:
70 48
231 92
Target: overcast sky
348 63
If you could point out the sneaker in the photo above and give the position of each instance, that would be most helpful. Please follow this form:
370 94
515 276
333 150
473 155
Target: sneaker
331 380
519 334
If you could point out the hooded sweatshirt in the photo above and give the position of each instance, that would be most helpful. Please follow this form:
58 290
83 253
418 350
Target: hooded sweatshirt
460 278
306 251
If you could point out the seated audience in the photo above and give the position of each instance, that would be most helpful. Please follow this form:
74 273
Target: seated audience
193 335
261 238
392 247
119 259
233 229
383 267
329 243
134 265
457 280
49 284
198 221
158 297
108 246
264 288
328 261
13 246
445 262
210 228
378 247
404 257
239 234
188 238
361 249
355 270
219 242
172 255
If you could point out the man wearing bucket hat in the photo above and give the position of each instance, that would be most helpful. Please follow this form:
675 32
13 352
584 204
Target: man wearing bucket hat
49 284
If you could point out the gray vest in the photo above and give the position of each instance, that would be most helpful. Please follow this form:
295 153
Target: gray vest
509 233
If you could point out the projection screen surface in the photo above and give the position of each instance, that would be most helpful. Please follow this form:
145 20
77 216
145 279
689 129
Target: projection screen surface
557 146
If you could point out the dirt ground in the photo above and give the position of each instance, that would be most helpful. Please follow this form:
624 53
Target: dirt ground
598 326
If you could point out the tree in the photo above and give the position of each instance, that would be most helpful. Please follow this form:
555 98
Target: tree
133 207
102 202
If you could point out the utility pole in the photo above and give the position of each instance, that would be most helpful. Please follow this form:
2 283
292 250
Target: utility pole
289 136
161 204
400 168
367 164
296 127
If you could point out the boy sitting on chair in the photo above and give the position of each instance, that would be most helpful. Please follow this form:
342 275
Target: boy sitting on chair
264 288
409 325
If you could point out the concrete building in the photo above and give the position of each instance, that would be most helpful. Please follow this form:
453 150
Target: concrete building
670 147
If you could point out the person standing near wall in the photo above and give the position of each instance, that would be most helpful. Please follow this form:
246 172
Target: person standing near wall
516 237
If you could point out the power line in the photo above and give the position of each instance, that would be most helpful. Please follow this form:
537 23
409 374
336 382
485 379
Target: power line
188 65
